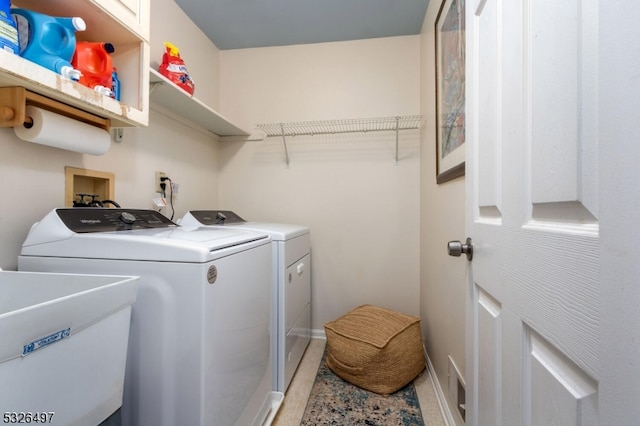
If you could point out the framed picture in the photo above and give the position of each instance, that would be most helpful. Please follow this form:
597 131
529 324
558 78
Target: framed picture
450 86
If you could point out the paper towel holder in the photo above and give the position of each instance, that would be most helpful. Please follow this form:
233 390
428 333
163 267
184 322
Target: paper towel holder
14 101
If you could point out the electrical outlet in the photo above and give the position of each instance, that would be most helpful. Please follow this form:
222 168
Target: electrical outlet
117 134
159 181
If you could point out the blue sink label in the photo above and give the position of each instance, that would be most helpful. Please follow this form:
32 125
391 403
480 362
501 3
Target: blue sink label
45 341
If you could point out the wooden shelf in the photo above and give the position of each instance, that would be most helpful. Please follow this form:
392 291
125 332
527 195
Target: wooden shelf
164 93
17 71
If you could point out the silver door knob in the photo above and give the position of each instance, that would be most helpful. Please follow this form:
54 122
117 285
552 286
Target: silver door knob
456 248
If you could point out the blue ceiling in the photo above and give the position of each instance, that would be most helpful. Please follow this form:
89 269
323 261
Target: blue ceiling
239 24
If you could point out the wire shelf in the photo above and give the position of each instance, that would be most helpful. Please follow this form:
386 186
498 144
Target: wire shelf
357 125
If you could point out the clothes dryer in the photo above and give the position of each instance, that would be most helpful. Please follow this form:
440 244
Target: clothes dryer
199 347
291 297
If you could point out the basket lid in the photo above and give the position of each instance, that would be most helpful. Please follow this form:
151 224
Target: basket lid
371 324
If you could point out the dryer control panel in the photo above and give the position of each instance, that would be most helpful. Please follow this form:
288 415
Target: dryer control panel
83 220
216 217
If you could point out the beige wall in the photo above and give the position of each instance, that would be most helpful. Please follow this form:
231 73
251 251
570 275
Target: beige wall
324 81
361 207
442 218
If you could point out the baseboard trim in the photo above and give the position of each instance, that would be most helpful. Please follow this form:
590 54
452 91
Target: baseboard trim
318 334
440 396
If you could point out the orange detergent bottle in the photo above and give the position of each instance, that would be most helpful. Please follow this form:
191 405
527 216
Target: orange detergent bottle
93 60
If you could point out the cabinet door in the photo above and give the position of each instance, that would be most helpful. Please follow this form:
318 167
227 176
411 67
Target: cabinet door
133 14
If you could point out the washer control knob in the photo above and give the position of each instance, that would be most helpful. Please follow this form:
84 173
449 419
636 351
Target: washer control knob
221 217
127 218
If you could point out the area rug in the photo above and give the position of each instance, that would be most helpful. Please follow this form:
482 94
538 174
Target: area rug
334 401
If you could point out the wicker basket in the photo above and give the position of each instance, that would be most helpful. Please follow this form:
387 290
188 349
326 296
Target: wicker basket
377 349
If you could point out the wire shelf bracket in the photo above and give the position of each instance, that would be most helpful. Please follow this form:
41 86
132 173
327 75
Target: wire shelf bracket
357 125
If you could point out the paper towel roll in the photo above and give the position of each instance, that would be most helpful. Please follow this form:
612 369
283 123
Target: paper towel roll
62 132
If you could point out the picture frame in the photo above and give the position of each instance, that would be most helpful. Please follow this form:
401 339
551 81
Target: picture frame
450 90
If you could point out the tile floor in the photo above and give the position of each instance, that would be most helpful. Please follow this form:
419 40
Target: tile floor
295 401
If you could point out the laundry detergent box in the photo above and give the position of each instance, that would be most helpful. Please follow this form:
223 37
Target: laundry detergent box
8 29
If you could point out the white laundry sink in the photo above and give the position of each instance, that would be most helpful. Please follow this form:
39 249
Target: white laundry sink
63 345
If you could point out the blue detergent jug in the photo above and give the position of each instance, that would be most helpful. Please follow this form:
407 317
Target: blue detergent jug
8 30
49 41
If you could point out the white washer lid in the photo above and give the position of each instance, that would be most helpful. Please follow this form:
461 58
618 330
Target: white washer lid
52 238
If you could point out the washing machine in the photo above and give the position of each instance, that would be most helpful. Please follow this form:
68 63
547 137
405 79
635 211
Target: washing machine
199 346
291 297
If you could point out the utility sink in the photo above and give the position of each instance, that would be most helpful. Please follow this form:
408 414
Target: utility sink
63 346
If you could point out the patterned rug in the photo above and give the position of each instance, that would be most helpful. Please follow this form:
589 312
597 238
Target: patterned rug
334 401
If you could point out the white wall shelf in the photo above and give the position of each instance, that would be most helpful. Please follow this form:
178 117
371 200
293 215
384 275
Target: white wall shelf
166 94
356 125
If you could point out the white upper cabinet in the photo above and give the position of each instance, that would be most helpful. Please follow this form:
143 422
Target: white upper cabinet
123 23
134 14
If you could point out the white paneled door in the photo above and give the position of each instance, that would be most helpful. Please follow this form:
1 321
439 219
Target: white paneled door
533 131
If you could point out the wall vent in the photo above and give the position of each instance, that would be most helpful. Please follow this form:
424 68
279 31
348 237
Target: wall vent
457 388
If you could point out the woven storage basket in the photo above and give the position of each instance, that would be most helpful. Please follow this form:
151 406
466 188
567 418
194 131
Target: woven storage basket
377 349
